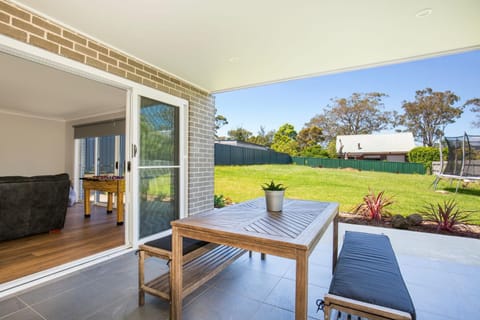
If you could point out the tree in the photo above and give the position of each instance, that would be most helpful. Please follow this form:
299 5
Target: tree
310 136
429 114
220 121
361 113
284 140
263 138
475 108
239 134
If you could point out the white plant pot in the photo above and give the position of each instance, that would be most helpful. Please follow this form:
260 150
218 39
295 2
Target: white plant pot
274 200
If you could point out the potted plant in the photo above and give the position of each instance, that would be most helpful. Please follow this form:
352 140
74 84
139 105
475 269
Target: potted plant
274 194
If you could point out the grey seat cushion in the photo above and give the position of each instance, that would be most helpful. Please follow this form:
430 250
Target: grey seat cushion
165 243
367 270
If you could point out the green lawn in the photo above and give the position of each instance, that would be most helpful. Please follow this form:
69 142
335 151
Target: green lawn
410 191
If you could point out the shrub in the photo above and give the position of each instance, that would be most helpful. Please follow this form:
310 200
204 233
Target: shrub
425 155
374 206
218 201
446 216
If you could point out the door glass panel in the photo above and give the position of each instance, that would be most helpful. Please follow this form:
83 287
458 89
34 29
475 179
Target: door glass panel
158 166
158 199
158 134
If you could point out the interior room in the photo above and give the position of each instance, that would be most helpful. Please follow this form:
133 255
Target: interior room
54 122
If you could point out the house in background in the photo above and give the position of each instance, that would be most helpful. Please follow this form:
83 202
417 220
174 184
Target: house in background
390 147
242 144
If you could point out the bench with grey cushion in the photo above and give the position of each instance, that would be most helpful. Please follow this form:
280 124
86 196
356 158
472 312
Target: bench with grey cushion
201 262
367 281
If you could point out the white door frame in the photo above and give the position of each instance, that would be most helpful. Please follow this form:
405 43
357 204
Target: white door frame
182 104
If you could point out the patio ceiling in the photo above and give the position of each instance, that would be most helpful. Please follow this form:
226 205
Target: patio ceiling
221 45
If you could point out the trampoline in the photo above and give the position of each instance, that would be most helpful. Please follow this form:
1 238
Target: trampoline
463 160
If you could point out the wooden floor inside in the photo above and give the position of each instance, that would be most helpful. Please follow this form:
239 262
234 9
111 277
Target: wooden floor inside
79 238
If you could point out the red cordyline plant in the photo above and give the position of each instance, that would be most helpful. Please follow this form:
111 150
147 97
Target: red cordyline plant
373 205
446 216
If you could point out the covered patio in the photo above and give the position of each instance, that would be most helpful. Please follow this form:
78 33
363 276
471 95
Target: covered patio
441 273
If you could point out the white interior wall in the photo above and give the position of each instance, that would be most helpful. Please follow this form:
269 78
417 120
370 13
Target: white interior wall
32 146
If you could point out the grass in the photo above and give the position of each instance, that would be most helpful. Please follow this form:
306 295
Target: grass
410 192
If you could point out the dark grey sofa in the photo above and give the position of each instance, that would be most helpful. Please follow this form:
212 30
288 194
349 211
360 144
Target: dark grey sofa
32 205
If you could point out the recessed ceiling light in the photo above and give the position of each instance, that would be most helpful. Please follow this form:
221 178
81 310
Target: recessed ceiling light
424 13
233 59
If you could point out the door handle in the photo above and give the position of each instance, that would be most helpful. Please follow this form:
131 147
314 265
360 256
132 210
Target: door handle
134 150
128 166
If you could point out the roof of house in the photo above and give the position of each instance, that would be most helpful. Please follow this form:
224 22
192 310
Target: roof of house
376 143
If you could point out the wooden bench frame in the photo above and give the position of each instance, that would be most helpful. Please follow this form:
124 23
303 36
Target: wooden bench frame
362 309
200 266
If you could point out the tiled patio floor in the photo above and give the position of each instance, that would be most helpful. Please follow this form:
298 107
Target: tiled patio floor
442 274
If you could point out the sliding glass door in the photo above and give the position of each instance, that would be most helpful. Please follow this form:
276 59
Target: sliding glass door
159 154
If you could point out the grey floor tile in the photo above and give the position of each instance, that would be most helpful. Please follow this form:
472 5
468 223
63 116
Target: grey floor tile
214 304
53 288
80 302
272 265
10 305
127 308
245 282
283 296
319 275
268 312
24 314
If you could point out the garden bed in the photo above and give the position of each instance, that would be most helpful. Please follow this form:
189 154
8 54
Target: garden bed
461 230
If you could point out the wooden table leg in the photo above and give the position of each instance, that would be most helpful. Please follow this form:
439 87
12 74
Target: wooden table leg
86 202
301 288
335 243
119 208
176 276
109 202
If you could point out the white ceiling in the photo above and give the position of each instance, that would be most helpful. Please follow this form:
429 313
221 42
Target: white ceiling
221 45
37 90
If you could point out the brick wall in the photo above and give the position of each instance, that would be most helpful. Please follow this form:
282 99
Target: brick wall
30 28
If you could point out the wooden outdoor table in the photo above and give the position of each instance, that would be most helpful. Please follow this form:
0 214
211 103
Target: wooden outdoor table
110 186
292 233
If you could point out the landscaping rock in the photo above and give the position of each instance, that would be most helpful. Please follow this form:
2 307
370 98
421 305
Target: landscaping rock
414 219
399 222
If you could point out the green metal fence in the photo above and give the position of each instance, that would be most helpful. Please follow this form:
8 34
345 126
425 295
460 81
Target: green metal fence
233 155
366 165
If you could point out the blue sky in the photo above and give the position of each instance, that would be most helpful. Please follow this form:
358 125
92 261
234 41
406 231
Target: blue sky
297 101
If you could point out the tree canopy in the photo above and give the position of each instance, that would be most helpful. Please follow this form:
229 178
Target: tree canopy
429 114
239 134
284 139
475 103
361 113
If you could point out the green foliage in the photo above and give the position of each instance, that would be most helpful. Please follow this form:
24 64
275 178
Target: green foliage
475 103
284 140
262 138
361 113
218 201
314 151
220 121
374 206
427 116
273 187
239 134
424 155
446 216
